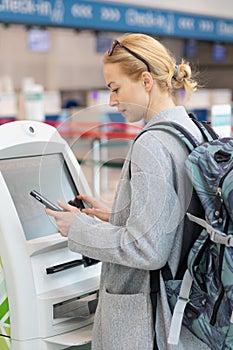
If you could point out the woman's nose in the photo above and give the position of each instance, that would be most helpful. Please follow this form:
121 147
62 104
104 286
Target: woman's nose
113 100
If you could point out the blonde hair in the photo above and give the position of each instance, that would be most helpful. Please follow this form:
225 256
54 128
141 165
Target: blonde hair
162 64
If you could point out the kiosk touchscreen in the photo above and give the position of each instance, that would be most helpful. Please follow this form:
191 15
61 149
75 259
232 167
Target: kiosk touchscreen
48 294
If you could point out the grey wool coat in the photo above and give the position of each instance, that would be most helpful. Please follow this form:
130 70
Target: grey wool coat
144 232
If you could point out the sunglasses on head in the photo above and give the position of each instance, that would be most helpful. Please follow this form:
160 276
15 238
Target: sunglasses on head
116 42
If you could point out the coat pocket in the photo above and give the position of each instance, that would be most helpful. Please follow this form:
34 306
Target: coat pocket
126 322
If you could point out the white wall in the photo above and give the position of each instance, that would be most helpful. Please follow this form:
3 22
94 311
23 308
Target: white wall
72 62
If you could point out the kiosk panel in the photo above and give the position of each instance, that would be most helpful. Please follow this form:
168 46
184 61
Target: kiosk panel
51 292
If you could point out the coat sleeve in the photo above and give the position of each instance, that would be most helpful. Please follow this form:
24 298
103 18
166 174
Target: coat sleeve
146 239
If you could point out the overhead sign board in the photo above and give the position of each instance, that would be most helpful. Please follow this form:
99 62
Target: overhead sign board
115 17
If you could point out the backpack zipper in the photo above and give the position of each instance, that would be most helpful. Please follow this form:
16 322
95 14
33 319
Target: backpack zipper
218 212
216 307
224 176
221 294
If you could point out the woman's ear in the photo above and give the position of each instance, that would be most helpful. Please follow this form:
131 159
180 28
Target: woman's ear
147 81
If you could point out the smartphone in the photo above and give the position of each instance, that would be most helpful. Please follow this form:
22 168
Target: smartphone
78 203
44 201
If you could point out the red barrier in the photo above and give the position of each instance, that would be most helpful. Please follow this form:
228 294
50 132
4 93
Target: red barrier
90 129
96 130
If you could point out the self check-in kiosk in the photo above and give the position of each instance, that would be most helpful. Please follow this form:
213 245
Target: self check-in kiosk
48 294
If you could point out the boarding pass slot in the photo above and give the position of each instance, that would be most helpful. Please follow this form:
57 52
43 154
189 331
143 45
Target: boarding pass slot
81 307
70 264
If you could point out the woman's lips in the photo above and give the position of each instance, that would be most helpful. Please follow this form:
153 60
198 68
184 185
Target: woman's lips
122 111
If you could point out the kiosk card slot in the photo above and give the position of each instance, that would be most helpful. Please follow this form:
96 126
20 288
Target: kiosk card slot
80 307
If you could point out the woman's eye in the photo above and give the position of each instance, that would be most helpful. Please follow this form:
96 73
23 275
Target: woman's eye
115 90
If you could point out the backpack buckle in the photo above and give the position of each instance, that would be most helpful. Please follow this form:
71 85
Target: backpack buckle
216 236
220 237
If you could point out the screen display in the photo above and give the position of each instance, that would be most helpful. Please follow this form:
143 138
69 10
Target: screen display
47 174
39 40
219 52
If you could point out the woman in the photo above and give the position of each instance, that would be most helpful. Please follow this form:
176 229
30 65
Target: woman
144 229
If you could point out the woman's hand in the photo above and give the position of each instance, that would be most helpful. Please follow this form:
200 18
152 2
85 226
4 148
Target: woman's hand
64 218
95 207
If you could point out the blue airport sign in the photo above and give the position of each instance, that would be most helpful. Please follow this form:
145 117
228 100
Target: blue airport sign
115 17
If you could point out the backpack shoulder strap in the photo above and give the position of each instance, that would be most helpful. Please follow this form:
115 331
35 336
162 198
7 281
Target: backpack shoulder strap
173 128
207 131
178 130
